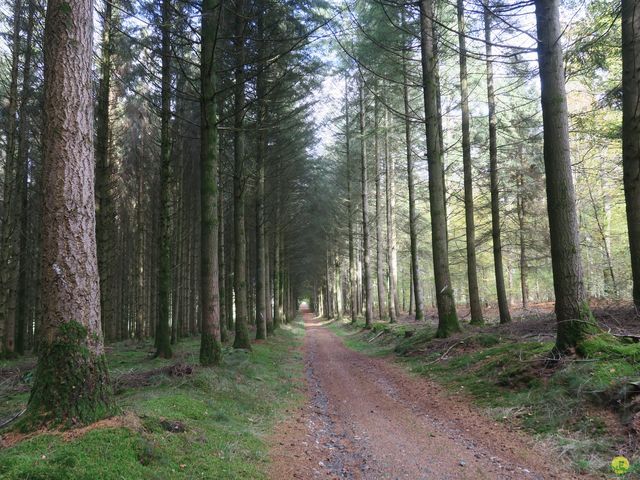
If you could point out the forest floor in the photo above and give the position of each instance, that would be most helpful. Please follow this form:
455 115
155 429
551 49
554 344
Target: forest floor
345 402
482 405
177 420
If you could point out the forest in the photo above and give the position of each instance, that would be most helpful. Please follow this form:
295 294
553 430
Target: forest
354 239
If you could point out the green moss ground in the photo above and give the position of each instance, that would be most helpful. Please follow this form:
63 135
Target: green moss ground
228 412
579 407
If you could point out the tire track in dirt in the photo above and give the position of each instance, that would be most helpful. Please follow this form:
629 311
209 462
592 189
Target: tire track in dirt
366 418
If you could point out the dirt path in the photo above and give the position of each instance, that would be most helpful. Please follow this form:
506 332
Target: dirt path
368 419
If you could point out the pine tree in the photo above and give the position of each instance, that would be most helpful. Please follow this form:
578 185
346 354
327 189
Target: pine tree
71 381
447 316
572 310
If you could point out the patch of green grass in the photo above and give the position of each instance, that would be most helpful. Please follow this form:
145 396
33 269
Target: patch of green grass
415 341
513 381
372 341
227 413
487 339
608 347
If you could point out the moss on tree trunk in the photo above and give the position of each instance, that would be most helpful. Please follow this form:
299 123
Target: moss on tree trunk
210 350
572 332
71 384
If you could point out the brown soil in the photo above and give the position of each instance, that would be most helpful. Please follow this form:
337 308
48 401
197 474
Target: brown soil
366 418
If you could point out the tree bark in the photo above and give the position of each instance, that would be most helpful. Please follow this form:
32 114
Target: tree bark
470 225
163 332
261 318
392 246
106 229
631 133
574 317
524 269
277 309
416 286
382 291
10 241
268 285
447 315
210 343
353 304
242 339
71 381
503 303
140 248
26 239
366 254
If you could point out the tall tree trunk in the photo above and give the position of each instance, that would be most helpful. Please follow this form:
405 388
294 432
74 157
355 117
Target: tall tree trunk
353 303
366 255
140 250
610 287
224 292
337 278
26 240
416 286
261 318
210 343
268 283
572 309
392 247
282 280
277 316
10 241
382 293
239 186
470 224
447 316
163 332
230 266
71 381
411 290
631 133
329 294
178 251
105 213
503 303
524 270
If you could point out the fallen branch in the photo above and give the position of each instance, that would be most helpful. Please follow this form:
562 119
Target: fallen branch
633 337
441 357
7 422
381 332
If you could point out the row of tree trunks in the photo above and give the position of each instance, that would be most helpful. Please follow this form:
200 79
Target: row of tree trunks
12 204
28 210
106 229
